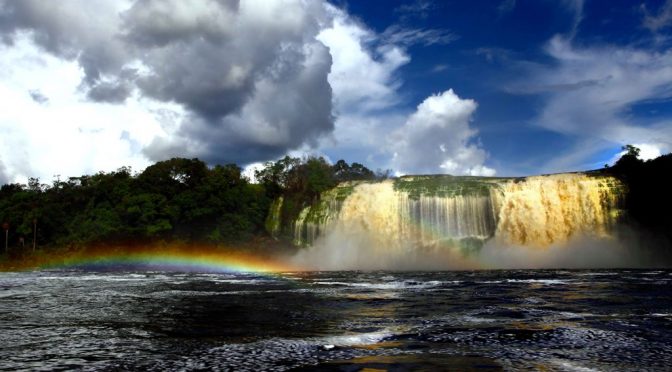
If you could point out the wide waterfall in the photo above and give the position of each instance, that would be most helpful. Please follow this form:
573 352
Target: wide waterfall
436 211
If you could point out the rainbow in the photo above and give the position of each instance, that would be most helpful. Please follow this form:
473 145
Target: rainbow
189 260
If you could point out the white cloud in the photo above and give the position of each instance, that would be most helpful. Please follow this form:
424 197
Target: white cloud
364 79
437 138
590 94
66 135
363 74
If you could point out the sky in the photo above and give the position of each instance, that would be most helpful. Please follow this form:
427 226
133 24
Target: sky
487 88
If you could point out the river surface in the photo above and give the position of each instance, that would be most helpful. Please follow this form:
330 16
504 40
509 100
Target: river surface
341 321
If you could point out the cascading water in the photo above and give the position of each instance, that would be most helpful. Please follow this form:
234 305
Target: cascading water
433 211
542 211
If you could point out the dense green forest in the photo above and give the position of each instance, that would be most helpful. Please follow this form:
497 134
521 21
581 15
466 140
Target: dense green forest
187 201
178 200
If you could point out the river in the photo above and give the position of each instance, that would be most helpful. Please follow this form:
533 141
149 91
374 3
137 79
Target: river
582 320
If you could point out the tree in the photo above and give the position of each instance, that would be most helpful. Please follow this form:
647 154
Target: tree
278 176
356 171
172 176
629 162
318 176
631 150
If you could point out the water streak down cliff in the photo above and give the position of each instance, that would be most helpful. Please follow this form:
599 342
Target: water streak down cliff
435 211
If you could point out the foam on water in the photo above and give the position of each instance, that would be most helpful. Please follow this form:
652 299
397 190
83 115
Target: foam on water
357 339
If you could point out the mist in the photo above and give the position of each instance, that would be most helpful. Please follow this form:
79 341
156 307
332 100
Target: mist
626 249
342 250
346 250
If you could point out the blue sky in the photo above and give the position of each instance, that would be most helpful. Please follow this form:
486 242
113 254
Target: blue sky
500 58
505 88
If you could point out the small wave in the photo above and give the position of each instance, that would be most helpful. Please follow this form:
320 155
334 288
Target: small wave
242 281
175 292
389 285
597 274
540 281
108 278
476 319
358 339
569 366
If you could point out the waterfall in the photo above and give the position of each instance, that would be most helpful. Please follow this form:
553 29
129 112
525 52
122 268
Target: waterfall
435 211
550 209
273 221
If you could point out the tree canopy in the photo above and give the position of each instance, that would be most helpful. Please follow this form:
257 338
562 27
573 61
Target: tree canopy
177 199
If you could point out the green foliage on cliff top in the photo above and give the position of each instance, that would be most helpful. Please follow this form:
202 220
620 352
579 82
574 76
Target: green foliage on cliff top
447 185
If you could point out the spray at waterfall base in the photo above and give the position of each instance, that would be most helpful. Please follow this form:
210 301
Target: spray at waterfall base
447 222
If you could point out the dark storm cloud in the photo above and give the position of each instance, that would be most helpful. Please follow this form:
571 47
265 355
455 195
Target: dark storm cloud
201 76
250 75
288 109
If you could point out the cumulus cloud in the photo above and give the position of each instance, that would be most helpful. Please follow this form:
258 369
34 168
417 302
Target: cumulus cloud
437 138
366 87
365 83
251 76
363 75
590 92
